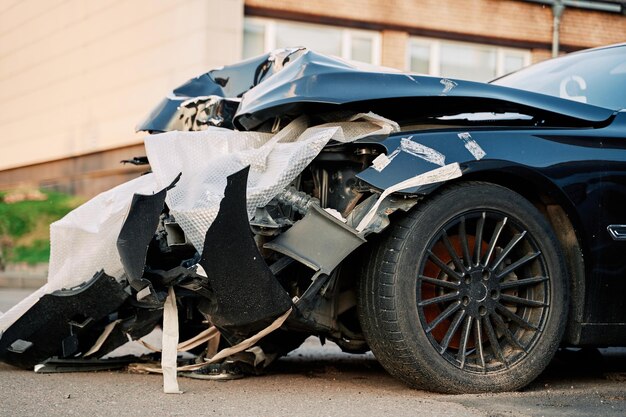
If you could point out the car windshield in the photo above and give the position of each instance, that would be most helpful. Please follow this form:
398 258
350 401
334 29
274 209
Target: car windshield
596 77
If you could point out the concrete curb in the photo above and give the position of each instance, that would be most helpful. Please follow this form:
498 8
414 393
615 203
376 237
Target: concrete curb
24 276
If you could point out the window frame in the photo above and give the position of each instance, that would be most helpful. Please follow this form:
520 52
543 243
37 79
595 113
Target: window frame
269 41
434 45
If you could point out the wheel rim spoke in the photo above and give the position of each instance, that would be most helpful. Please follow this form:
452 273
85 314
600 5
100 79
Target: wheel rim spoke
507 333
443 315
505 252
445 268
514 317
522 282
440 299
455 258
494 240
461 355
467 258
493 341
522 301
527 258
452 330
479 238
440 282
478 337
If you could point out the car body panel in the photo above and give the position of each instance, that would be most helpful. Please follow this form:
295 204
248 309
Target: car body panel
583 170
572 151
306 82
313 80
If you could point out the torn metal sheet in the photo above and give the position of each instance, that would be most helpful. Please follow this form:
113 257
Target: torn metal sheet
303 244
266 86
201 112
381 219
212 99
323 83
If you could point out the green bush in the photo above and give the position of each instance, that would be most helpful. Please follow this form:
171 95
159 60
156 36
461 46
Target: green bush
38 252
24 226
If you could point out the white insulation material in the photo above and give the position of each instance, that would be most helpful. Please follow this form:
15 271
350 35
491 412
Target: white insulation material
207 157
84 241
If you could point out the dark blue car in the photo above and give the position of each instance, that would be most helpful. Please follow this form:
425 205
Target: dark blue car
463 247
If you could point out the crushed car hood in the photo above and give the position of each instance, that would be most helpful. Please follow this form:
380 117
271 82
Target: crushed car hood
292 82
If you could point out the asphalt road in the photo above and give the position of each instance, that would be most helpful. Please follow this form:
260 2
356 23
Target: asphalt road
9 297
315 381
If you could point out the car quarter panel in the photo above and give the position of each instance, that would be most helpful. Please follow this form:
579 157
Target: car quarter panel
583 170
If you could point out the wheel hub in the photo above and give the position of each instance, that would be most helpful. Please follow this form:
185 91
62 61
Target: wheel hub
478 290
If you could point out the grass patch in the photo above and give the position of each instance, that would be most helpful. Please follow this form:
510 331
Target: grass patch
37 252
24 225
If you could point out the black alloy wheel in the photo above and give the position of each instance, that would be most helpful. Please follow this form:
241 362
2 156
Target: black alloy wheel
483 305
468 292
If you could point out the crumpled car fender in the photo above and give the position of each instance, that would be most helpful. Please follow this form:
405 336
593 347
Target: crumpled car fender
534 156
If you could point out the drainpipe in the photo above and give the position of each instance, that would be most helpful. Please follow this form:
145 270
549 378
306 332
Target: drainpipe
557 11
558 6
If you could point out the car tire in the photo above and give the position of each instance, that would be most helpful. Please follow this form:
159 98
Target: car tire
446 314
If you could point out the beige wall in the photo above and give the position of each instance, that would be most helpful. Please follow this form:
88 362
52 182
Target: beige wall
76 76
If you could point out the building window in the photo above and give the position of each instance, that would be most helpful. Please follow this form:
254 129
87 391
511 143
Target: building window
263 35
463 60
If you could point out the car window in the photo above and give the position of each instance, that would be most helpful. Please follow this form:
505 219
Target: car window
596 77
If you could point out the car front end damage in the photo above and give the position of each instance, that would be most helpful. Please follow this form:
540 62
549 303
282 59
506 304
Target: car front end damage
269 181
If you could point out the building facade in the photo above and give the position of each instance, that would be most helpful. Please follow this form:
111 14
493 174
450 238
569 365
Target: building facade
76 77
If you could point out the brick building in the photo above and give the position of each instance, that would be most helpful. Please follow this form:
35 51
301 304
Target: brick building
77 76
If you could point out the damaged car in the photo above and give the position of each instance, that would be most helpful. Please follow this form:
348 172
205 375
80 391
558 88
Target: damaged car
461 231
